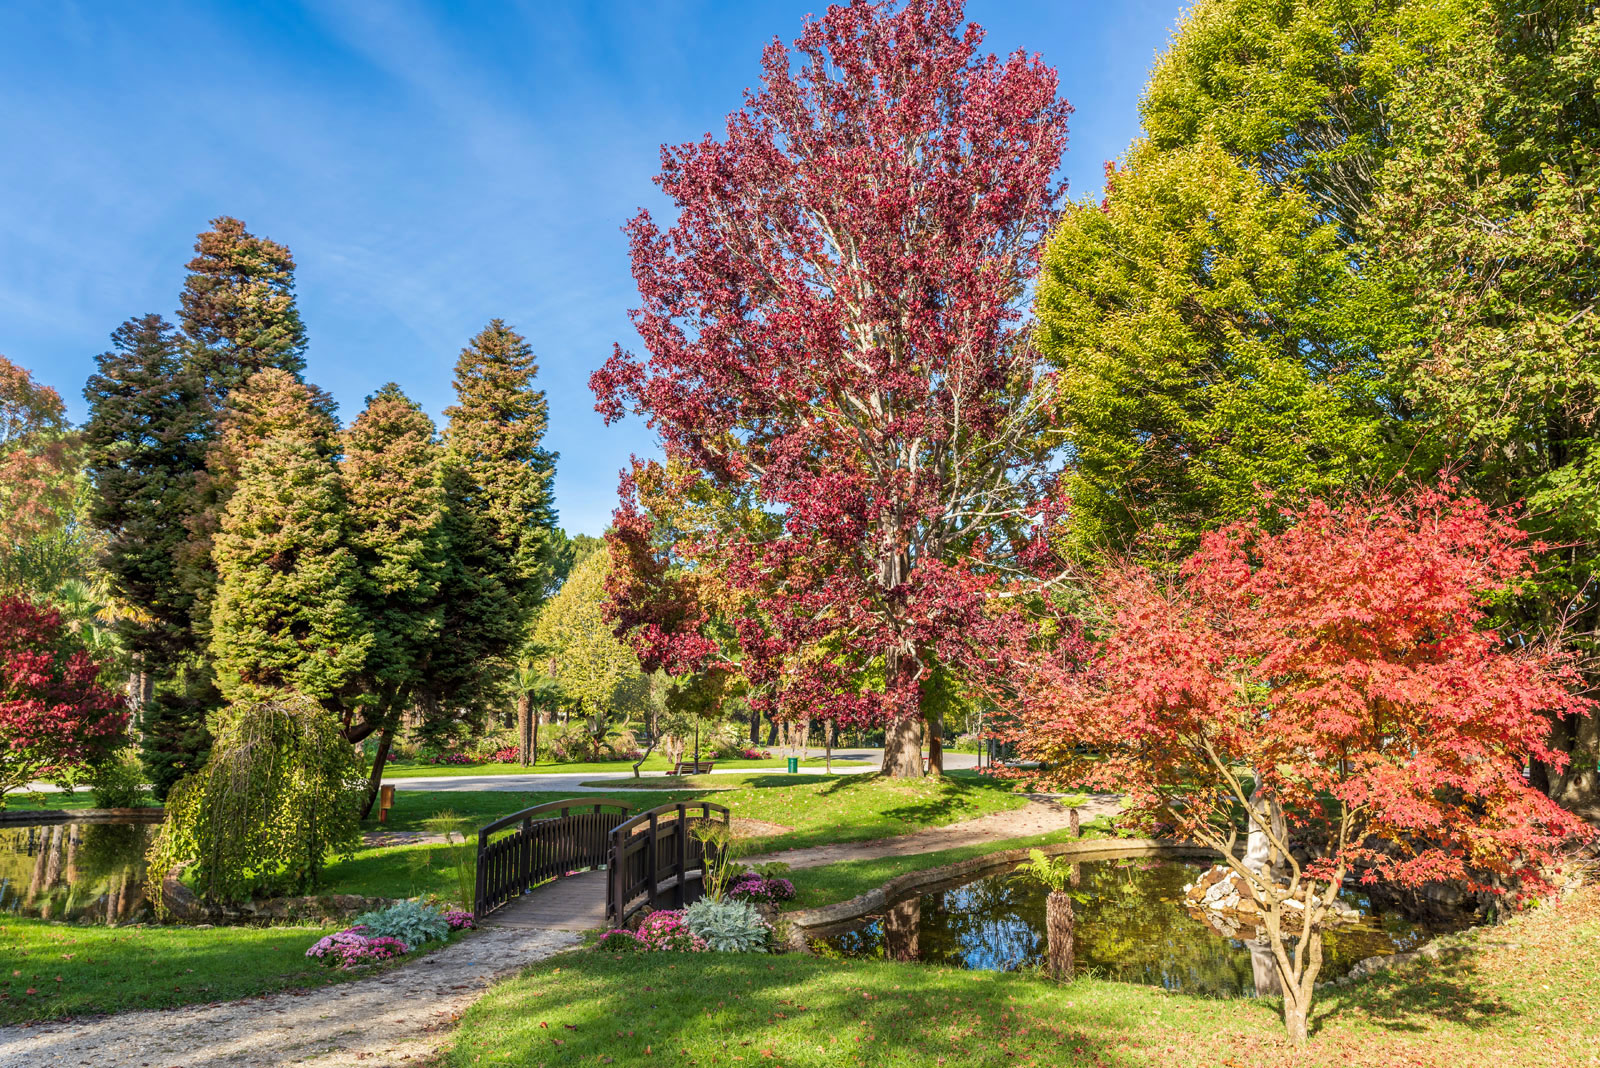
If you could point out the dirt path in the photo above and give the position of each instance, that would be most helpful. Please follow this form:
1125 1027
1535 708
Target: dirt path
398 1017
1040 815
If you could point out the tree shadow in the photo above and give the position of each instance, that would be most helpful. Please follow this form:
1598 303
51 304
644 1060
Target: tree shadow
1449 991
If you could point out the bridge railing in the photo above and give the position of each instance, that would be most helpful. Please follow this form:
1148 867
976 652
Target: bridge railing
549 840
655 853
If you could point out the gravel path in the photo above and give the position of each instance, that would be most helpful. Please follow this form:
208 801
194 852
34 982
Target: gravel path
393 1018
1041 814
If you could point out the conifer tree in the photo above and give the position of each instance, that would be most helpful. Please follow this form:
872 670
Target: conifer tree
499 522
396 510
286 614
143 451
238 310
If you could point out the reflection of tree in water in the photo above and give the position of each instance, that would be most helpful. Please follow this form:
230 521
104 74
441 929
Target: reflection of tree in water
92 872
1130 927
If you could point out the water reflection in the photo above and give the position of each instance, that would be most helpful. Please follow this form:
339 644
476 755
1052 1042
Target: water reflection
1130 927
87 872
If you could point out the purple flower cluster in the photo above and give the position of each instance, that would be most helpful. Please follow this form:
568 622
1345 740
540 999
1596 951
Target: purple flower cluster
664 931
451 758
752 887
351 948
460 920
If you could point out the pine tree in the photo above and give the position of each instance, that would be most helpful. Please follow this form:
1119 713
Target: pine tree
238 310
143 452
286 614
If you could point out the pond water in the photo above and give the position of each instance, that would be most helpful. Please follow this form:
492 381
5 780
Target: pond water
1130 927
87 872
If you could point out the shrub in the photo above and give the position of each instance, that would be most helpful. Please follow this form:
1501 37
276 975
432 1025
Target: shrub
755 887
728 926
506 754
279 796
450 758
355 946
668 931
411 922
55 716
751 753
619 940
119 782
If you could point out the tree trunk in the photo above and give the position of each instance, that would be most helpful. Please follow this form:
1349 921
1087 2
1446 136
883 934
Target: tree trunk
902 739
533 741
755 727
772 733
902 748
1058 927
902 926
524 727
1578 785
935 722
379 759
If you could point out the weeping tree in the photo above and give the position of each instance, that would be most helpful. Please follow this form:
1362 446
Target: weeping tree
280 794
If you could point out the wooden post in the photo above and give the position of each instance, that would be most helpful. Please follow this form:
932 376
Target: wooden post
385 803
681 896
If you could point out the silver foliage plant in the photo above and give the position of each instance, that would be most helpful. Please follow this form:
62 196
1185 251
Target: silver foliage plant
411 922
728 926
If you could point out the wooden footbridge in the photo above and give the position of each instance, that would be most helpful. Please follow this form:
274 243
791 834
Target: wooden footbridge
590 861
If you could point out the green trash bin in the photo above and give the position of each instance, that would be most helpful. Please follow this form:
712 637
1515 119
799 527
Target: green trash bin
794 765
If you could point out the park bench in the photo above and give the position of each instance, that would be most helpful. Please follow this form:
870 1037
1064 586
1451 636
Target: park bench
693 767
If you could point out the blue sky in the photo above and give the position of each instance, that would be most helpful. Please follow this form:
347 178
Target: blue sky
431 166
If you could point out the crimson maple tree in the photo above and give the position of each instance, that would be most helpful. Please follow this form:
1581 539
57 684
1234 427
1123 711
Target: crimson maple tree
55 715
834 328
1342 665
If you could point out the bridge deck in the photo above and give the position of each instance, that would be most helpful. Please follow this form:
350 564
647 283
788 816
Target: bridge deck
573 903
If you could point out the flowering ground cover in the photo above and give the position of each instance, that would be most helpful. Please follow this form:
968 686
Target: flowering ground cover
1524 996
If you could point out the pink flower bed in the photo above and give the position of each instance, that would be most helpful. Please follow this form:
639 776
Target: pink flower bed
350 948
753 887
663 931
460 920
756 754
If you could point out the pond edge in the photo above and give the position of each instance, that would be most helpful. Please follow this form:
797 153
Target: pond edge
801 923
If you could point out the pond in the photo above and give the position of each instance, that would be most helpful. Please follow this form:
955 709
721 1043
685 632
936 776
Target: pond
86 872
1130 927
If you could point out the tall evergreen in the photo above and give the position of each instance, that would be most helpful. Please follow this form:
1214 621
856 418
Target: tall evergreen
286 612
495 436
238 310
144 448
396 511
499 521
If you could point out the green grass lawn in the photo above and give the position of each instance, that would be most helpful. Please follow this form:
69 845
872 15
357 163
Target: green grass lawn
819 808
656 762
50 970
1527 998
831 883
53 802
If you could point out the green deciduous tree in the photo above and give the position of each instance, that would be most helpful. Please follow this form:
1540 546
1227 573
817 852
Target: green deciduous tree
1204 326
596 671
278 798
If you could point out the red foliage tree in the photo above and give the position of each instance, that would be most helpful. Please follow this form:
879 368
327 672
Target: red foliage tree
54 713
1344 665
834 326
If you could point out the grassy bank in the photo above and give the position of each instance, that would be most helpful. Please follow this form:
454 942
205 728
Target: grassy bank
819 809
53 970
832 883
1526 996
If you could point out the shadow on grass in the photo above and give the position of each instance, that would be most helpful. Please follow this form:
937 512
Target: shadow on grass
718 1009
1449 992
